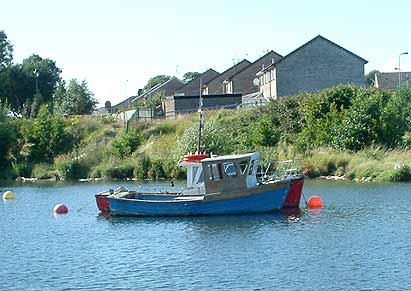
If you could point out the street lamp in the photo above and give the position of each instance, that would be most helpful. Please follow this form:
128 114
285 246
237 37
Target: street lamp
399 68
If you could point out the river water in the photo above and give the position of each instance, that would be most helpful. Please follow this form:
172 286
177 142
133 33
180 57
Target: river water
360 240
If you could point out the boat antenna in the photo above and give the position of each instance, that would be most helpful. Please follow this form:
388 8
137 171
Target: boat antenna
201 123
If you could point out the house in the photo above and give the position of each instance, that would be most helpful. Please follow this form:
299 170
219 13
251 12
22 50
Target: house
316 65
106 110
391 81
193 87
182 104
242 81
216 86
167 88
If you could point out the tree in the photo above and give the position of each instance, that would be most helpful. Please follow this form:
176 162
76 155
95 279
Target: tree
46 136
48 75
189 76
16 88
8 136
75 98
30 83
6 51
154 81
154 101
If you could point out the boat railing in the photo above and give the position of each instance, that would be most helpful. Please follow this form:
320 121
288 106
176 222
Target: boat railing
279 169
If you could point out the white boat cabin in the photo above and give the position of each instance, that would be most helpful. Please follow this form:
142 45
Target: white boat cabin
223 174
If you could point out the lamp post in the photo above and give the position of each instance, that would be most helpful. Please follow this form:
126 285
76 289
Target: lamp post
36 72
399 68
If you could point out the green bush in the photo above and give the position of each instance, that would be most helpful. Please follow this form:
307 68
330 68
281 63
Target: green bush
401 174
160 129
156 170
9 137
263 133
214 138
127 143
70 169
47 136
142 167
119 171
22 169
43 171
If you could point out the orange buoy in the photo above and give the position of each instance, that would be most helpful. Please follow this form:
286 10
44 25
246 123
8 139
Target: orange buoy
315 202
60 209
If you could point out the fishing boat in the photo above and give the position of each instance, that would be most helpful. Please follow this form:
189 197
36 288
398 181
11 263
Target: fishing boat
215 185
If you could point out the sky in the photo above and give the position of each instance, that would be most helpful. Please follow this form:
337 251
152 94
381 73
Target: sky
116 46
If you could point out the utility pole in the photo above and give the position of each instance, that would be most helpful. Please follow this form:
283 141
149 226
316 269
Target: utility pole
399 68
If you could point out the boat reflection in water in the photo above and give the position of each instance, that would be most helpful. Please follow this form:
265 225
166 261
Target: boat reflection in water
215 186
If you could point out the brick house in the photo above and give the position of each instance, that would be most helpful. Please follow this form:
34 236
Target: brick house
316 65
391 81
193 87
216 86
242 81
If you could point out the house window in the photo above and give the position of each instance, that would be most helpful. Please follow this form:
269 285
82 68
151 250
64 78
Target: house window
215 172
229 87
230 169
268 77
205 91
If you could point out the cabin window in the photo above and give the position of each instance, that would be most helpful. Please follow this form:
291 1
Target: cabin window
250 170
243 167
230 169
215 172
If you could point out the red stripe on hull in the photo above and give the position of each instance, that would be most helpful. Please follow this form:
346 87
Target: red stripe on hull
294 194
103 203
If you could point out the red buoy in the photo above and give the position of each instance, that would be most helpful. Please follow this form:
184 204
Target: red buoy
315 202
60 209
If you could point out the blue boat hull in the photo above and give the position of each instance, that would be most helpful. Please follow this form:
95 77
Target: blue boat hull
257 202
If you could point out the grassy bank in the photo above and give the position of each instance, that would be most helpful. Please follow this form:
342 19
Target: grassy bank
349 132
105 151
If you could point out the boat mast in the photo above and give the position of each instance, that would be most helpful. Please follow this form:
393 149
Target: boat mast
201 125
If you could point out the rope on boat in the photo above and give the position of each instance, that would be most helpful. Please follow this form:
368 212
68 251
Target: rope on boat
84 206
305 200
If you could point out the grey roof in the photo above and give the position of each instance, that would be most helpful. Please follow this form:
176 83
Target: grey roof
193 86
315 39
276 57
390 80
126 103
231 71
156 88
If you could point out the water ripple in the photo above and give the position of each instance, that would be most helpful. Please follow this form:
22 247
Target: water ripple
359 241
